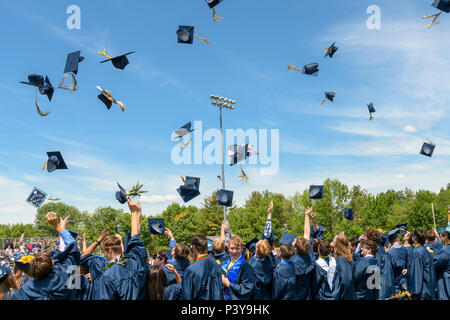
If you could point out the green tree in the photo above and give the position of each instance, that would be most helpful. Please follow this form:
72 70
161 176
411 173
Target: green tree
421 215
77 219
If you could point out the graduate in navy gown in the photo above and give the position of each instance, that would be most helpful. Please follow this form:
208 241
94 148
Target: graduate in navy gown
441 260
122 276
202 279
325 274
50 280
399 256
173 277
366 272
219 254
263 266
283 287
239 278
344 286
180 259
421 273
7 283
433 241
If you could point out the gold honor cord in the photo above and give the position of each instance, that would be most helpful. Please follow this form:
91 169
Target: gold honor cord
39 110
216 18
291 67
72 87
45 165
203 39
120 104
103 53
434 21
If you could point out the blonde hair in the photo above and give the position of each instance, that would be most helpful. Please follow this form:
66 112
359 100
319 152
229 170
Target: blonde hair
263 248
218 246
342 247
236 240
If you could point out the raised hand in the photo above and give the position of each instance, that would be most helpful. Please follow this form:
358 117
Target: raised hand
135 207
270 207
308 211
169 234
52 219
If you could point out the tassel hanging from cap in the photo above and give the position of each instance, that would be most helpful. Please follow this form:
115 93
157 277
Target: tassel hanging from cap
323 101
103 53
203 39
434 21
45 165
216 18
40 112
291 67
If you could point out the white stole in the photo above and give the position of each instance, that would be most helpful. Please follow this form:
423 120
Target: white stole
329 269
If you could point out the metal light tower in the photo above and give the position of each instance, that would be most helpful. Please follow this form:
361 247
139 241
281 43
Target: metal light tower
228 104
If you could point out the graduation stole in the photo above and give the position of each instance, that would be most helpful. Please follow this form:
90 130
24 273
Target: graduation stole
232 272
330 269
120 262
282 262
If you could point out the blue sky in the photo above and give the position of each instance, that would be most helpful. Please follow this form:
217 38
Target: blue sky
402 68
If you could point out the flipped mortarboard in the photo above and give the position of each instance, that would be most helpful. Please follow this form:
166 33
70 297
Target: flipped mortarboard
443 5
251 245
190 189
225 198
119 62
316 192
328 95
184 130
156 226
72 61
371 109
331 50
287 238
427 149
311 69
348 213
36 197
55 161
185 34
105 100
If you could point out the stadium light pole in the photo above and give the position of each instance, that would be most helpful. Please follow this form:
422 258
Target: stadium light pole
226 103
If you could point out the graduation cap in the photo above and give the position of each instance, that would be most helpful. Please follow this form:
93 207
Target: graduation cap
225 197
36 197
311 69
328 95
55 162
251 245
427 149
239 153
121 195
185 34
316 192
119 62
73 233
72 61
212 4
331 50
190 189
443 5
45 87
371 109
184 130
108 100
287 238
156 226
348 213
393 234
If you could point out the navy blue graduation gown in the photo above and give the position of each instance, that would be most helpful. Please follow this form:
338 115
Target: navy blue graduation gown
321 287
435 245
421 275
202 281
283 287
54 286
344 285
119 282
441 261
180 265
362 291
387 289
399 256
246 281
174 288
304 272
263 268
221 258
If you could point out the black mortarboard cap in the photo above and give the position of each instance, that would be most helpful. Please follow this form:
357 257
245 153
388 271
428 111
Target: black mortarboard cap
225 197
330 95
443 5
238 153
427 149
316 192
331 50
184 130
393 234
36 79
190 189
121 195
287 238
47 89
185 34
119 62
36 197
105 100
156 226
348 213
73 59
55 161
371 108
311 69
73 233
213 3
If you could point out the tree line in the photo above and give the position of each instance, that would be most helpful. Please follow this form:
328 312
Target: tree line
382 211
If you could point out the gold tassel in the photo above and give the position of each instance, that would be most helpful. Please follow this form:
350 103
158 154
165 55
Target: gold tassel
291 67
180 216
371 118
39 111
183 179
216 18
203 39
434 21
323 101
103 53
45 165
120 104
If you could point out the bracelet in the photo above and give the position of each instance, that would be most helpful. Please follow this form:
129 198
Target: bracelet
97 241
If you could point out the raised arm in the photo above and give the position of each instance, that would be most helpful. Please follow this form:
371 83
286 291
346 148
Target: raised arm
136 212
222 231
83 243
175 272
307 228
313 217
94 245
268 227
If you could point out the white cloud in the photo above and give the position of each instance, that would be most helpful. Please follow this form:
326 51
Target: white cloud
159 198
400 176
410 128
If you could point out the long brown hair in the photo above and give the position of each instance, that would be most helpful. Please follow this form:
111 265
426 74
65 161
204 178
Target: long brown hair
157 283
342 247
